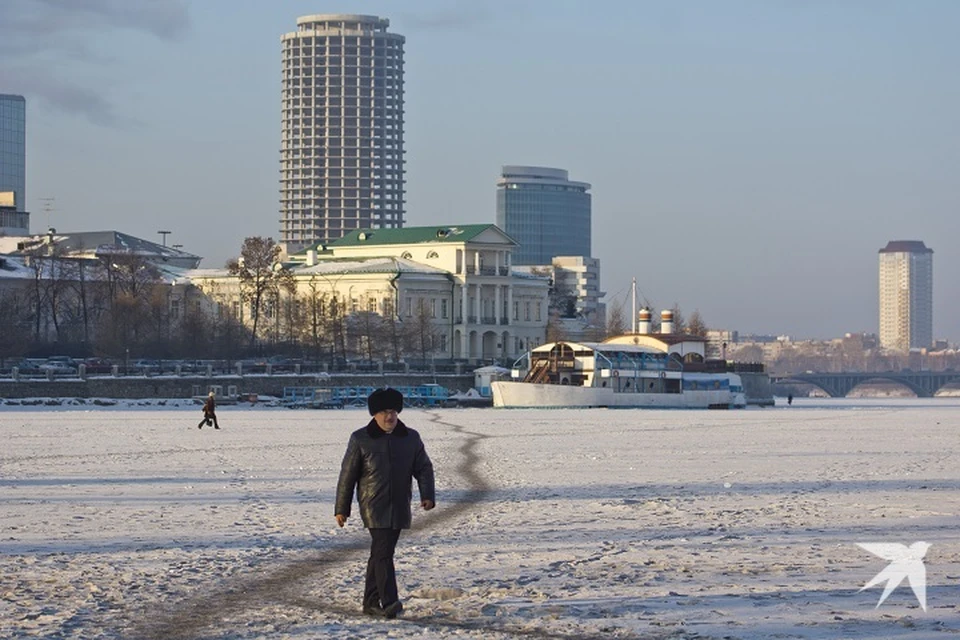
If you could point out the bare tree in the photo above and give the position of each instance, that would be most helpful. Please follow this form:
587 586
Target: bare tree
422 335
260 275
696 326
15 320
315 311
679 322
130 282
336 326
616 323
366 332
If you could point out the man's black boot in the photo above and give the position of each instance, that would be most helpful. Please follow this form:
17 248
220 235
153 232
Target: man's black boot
392 610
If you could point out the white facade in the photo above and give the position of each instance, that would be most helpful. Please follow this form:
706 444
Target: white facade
906 295
498 313
341 154
479 308
581 276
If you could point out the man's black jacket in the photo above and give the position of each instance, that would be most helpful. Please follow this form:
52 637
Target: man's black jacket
381 466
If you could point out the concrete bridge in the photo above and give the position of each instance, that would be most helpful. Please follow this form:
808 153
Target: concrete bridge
924 383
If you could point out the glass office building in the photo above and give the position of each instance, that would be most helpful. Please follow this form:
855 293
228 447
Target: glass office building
13 165
341 149
544 211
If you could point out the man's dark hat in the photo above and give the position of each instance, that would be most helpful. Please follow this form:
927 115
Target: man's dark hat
382 399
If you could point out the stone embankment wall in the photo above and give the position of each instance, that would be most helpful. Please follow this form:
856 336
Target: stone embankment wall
757 386
188 386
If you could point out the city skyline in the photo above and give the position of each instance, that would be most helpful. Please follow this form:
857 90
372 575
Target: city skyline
746 159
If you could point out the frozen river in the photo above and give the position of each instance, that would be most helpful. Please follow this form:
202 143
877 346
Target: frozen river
131 522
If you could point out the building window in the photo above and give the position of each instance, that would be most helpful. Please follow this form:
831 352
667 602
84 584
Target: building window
444 313
433 307
409 307
526 311
516 310
443 342
174 308
538 311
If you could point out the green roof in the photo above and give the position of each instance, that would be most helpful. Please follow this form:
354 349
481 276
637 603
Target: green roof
412 235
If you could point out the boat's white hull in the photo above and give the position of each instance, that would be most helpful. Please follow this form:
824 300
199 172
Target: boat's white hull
508 394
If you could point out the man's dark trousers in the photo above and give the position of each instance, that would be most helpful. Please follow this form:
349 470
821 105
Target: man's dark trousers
381 589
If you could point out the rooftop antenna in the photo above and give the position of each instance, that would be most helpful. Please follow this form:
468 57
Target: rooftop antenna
48 207
164 234
633 307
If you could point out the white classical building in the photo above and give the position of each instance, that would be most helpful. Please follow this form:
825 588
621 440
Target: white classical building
457 277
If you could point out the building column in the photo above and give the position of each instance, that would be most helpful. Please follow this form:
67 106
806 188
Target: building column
497 304
464 333
509 304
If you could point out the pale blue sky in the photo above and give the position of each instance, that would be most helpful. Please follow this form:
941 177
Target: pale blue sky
748 159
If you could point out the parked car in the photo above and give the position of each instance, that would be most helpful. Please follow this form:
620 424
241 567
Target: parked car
58 366
98 365
146 366
28 366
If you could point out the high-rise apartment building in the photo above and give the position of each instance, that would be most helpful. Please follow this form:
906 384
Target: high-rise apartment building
545 212
906 295
13 165
341 154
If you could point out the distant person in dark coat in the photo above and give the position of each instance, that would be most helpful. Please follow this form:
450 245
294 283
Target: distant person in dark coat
209 412
381 461
790 399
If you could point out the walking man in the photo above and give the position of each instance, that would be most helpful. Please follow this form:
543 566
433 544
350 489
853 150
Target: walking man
210 412
381 461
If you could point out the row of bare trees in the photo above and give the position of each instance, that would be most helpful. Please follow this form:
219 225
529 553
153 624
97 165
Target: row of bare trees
619 322
119 306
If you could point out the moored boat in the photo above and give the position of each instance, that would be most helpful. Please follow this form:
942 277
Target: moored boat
630 371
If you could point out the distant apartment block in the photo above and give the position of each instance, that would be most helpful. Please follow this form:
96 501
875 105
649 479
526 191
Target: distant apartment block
906 295
13 165
341 149
545 212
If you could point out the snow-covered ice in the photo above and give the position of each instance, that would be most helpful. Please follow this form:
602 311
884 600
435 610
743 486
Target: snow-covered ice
129 522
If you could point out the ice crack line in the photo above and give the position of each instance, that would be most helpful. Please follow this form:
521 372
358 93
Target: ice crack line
283 585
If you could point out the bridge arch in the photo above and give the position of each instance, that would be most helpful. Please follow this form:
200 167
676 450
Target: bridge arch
925 384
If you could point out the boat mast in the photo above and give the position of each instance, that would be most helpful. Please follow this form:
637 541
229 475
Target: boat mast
633 308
